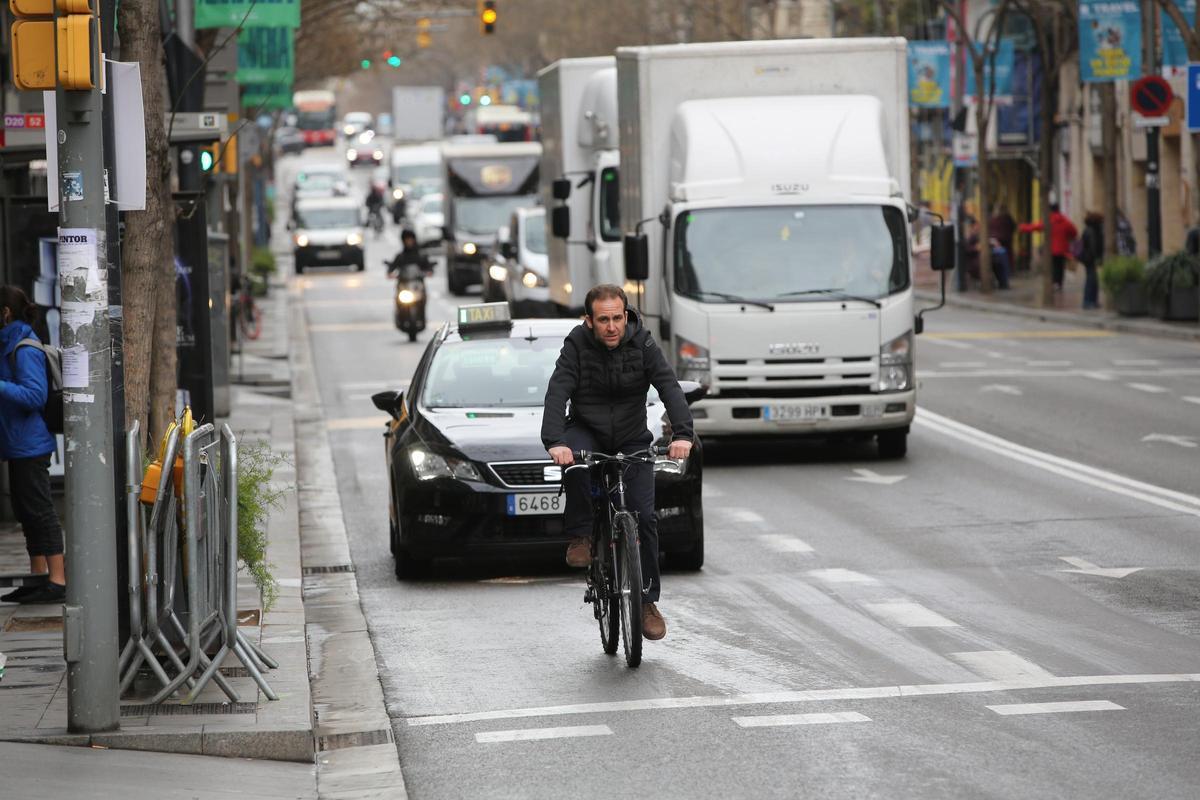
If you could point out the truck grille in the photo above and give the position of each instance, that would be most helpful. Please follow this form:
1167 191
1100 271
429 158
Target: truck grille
517 474
794 377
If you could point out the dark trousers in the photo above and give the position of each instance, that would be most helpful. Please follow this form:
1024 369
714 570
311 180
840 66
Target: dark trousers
639 498
1058 266
1091 287
29 487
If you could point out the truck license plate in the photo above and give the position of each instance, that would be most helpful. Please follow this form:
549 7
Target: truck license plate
329 254
521 505
796 412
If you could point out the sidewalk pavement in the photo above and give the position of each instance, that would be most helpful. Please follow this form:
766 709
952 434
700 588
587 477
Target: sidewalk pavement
1023 298
330 713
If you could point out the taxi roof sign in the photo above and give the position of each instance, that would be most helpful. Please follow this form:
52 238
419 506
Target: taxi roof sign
484 315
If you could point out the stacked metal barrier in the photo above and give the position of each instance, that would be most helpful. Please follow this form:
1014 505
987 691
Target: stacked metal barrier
201 537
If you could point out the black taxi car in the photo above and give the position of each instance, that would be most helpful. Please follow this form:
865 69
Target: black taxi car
467 471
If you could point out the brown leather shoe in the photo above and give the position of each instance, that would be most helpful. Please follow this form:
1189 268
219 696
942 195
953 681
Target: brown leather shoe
579 552
654 627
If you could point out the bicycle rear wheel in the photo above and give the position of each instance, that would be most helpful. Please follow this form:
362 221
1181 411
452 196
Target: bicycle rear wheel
628 574
608 604
249 320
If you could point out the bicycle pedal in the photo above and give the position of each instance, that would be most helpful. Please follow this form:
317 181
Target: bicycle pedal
588 596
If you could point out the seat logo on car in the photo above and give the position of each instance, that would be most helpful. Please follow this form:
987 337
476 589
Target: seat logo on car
794 349
552 474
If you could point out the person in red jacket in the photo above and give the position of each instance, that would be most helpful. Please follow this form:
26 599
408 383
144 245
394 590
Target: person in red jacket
1062 233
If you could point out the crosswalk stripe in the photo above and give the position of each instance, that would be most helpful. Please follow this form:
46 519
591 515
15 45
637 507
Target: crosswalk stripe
1149 388
1011 709
774 720
531 734
785 544
910 615
838 575
999 665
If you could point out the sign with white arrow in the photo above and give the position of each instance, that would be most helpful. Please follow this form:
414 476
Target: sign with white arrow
1002 388
1182 441
870 476
1088 568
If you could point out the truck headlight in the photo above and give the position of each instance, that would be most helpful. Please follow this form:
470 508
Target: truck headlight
301 240
895 364
377 155
694 364
354 239
397 194
497 273
428 466
469 249
532 280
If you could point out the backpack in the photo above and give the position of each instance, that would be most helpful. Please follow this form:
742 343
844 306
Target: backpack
52 412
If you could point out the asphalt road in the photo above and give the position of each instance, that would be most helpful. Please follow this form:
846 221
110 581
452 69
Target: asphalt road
1012 610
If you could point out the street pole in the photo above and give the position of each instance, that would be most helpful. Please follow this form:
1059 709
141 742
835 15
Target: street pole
90 613
1153 179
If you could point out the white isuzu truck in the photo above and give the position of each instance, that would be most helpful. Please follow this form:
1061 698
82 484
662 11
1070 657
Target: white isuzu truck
764 200
580 177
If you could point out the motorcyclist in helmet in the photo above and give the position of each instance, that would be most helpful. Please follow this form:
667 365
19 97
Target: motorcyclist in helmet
410 262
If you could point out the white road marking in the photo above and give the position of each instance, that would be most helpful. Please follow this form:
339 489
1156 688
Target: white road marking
376 422
774 720
951 343
962 364
1002 388
1017 372
809 696
838 575
1195 400
994 354
1084 567
1099 376
1176 439
531 734
1148 387
350 327
910 615
782 543
741 515
1136 362
1074 470
1047 363
1000 665
1056 708
870 476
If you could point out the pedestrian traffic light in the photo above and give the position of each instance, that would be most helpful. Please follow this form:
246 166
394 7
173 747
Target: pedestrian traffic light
207 158
35 34
487 16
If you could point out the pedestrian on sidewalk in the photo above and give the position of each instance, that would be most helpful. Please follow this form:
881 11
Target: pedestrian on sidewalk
1000 259
26 444
1002 227
1091 254
1126 241
1062 233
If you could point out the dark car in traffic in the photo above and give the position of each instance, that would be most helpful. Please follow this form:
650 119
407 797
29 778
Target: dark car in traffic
467 473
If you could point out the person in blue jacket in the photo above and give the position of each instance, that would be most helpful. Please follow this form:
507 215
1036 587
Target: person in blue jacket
26 444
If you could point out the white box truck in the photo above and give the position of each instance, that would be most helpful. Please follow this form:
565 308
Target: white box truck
418 113
764 199
580 177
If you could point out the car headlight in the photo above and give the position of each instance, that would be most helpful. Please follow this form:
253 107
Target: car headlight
348 130
895 364
354 239
469 248
497 273
301 240
406 296
428 466
377 155
532 280
351 154
694 364
397 194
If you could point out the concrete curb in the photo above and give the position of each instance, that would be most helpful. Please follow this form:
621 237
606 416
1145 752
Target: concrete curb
1101 320
356 749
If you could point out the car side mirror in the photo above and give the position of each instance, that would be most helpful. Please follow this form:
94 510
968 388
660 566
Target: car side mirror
637 256
561 188
693 391
560 222
389 402
508 250
941 247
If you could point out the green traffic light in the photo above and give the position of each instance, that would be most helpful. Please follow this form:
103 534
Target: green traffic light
394 61
366 63
465 99
206 160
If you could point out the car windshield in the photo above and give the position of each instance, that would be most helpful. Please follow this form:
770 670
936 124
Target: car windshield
358 118
328 218
432 205
413 173
791 253
488 214
535 233
316 182
491 373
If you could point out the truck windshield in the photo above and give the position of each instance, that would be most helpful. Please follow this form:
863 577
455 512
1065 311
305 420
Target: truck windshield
487 214
413 173
791 253
535 233
312 218
315 120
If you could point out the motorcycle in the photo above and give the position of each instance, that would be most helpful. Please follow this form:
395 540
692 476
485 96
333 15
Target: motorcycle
410 303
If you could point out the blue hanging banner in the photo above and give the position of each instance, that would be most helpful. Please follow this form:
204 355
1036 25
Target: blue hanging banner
1110 40
1174 48
929 74
1000 65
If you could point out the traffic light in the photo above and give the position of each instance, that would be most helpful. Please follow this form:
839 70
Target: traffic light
487 16
423 37
366 63
220 156
465 99
208 157
34 35
394 61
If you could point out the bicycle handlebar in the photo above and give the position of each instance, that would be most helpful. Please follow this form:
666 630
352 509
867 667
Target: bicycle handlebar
587 458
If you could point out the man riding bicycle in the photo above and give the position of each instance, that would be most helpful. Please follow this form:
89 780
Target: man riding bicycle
605 369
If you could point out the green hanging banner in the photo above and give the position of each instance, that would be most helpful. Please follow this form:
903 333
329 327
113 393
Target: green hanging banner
260 97
248 13
265 55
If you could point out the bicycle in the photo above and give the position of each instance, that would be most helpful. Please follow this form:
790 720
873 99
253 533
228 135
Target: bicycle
247 314
614 579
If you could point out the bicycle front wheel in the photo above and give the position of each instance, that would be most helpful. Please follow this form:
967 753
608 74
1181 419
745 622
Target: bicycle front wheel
628 575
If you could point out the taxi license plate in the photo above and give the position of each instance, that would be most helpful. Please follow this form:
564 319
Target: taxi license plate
541 503
329 254
796 412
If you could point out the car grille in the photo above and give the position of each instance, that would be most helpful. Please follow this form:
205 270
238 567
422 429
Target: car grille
516 474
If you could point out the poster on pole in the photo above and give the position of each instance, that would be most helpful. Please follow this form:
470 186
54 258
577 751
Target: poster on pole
997 67
929 74
1174 52
265 55
1110 40
247 13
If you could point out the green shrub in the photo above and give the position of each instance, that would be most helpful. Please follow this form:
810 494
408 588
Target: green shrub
1171 271
256 499
262 261
1120 271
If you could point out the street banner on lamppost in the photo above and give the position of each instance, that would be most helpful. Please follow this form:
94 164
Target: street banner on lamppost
247 13
1174 51
997 73
929 74
265 55
1110 40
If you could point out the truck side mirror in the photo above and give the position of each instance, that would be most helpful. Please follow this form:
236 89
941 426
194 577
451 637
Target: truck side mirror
941 247
561 188
560 221
637 256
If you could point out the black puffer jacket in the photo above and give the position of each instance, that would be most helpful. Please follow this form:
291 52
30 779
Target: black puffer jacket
607 388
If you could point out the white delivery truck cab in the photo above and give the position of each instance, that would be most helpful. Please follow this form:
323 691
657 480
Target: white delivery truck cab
418 113
764 198
580 177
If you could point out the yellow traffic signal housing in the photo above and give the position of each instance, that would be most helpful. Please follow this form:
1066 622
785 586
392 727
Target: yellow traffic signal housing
33 54
31 8
488 16
75 51
70 6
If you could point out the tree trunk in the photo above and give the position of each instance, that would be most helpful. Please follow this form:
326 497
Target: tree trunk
1108 155
1046 177
148 245
983 188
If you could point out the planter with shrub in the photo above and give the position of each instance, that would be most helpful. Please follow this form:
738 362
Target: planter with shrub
262 267
1171 286
1123 279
